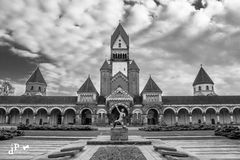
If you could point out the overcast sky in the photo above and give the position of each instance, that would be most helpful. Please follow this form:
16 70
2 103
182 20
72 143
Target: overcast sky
169 39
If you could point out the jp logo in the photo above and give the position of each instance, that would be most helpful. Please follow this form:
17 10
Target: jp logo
15 146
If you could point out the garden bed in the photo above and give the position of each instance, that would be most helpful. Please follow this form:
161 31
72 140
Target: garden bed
228 131
118 153
6 134
57 127
177 128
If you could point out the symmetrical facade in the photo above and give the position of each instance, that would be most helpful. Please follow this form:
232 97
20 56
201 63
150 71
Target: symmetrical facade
119 86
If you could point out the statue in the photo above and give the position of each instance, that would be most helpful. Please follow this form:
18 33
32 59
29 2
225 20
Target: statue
120 118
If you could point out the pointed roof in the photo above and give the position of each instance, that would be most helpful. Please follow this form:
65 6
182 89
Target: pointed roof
133 66
37 77
151 86
87 86
105 66
119 31
202 78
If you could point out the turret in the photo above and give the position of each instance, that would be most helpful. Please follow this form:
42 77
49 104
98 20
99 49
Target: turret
203 84
133 76
36 85
151 92
87 93
105 76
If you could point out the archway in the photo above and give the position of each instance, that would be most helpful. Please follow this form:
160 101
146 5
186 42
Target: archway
69 116
2 115
211 117
236 115
115 114
86 117
27 116
101 116
137 117
41 117
183 116
14 116
55 117
224 116
169 117
152 117
197 116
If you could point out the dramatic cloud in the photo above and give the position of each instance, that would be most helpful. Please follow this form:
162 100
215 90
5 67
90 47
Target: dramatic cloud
169 39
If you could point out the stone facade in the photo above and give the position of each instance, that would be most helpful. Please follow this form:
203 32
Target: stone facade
119 86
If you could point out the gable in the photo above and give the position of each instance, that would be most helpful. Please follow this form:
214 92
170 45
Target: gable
119 94
119 43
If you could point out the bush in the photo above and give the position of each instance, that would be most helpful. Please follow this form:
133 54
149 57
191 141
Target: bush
177 128
57 127
228 131
6 134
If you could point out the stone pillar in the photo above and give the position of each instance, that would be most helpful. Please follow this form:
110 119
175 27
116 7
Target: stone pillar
20 118
190 119
77 118
160 119
218 118
93 119
7 118
80 119
176 119
204 118
34 118
145 119
62 119
231 118
48 119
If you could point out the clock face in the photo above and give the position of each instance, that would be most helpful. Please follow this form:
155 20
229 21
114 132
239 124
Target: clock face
119 66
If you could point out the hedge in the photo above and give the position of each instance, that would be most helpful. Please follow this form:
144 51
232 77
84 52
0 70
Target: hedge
6 134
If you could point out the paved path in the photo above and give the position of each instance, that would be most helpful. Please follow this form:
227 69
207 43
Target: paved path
218 149
36 148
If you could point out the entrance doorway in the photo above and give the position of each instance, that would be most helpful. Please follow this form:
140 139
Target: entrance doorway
152 117
86 117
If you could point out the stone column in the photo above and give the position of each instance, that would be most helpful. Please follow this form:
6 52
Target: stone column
190 119
34 118
80 119
62 119
145 119
160 119
93 119
7 118
218 118
204 118
176 119
48 119
231 118
20 118
77 118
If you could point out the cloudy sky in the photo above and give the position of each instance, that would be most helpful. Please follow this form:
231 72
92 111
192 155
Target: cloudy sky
169 39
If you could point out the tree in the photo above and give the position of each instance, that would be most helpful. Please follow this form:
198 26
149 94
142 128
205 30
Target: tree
6 89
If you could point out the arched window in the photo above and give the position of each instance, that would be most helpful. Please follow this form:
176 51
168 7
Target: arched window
39 89
207 88
199 88
212 87
31 87
119 45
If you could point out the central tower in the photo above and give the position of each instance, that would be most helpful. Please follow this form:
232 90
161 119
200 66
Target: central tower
119 70
119 51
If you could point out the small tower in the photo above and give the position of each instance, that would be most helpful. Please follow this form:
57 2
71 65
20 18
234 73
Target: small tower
36 85
133 76
203 84
105 76
87 93
151 92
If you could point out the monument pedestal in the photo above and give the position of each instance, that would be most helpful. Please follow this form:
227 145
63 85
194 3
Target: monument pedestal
119 134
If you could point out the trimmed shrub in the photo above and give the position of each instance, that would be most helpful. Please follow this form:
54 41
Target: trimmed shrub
57 127
228 131
6 134
177 128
